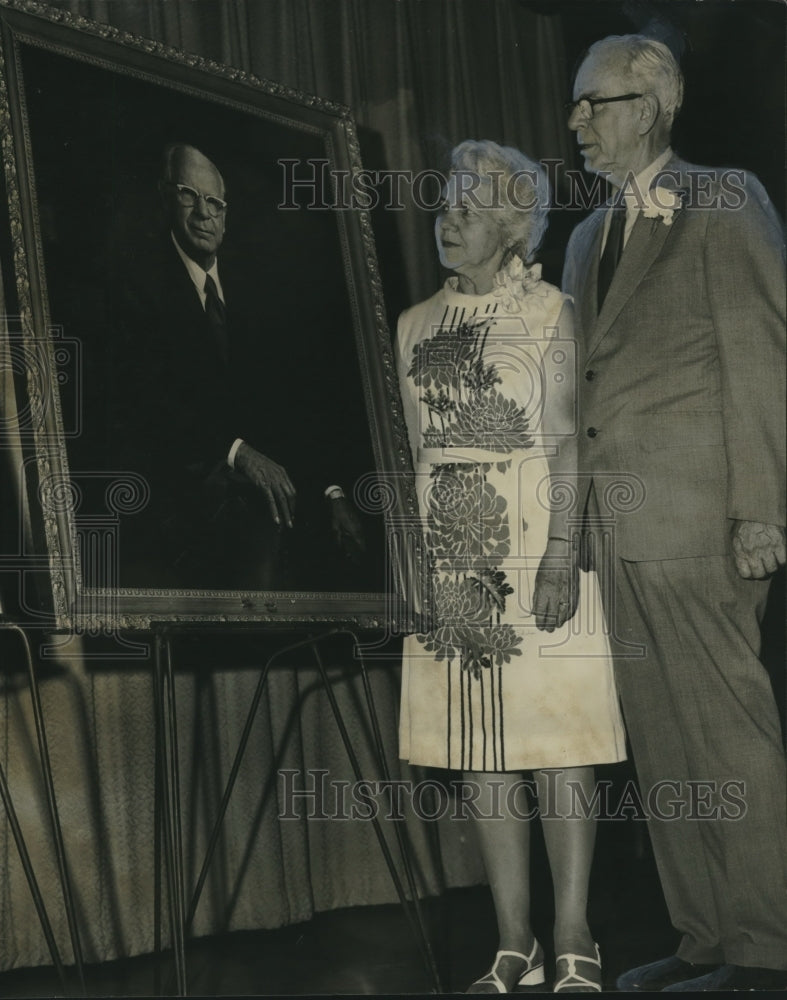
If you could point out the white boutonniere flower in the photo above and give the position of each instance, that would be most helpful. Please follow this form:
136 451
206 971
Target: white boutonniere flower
515 281
662 203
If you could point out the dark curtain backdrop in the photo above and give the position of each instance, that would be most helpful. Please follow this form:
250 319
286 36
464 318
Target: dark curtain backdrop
419 77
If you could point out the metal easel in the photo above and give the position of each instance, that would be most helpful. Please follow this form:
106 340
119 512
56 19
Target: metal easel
168 812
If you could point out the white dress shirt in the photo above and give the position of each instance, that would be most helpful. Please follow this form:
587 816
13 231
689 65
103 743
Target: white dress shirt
640 185
197 273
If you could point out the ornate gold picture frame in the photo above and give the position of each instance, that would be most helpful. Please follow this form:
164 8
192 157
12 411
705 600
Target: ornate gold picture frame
85 111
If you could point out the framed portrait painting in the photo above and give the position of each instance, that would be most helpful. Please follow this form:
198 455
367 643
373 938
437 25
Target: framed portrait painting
213 430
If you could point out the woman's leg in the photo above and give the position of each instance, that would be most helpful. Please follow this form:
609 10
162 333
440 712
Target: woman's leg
504 840
569 834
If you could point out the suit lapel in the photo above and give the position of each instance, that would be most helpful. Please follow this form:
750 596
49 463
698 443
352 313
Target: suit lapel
643 247
587 274
188 312
179 295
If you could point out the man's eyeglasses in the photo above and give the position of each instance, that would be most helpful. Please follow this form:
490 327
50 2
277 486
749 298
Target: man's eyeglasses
189 196
587 105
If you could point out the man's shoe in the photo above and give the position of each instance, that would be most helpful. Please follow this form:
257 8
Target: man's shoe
660 975
734 977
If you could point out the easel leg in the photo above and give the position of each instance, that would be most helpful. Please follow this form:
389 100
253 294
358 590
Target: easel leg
54 817
35 892
157 845
228 790
416 922
401 834
169 787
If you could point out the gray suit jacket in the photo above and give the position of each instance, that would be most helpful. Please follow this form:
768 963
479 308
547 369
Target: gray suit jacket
682 377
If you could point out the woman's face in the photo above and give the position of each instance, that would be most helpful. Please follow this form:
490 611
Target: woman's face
468 237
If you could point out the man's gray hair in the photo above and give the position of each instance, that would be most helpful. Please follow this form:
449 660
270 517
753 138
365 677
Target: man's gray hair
520 187
652 66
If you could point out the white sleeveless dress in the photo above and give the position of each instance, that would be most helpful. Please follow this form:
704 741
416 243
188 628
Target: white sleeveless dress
485 690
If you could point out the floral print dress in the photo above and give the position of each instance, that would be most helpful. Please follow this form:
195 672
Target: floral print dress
484 689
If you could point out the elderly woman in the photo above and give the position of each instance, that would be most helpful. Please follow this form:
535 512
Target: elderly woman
486 369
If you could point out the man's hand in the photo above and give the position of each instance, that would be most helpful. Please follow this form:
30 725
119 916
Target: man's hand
758 549
271 479
557 586
347 529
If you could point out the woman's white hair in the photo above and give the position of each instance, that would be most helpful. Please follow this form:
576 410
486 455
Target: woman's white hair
651 67
517 186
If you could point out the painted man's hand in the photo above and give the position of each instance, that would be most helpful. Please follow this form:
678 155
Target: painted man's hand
271 479
347 529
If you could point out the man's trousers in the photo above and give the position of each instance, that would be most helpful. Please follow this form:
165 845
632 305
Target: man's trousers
701 715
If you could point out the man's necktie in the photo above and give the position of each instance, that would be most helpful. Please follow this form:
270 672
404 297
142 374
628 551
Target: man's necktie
613 248
216 312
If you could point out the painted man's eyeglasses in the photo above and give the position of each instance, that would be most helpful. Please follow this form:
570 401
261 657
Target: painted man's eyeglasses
189 196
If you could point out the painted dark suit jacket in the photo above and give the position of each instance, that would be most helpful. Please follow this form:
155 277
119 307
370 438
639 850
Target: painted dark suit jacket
682 378
175 407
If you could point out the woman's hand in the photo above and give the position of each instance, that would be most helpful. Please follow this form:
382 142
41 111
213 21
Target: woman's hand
557 585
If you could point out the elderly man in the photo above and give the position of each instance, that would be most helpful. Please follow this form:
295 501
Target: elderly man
679 292
194 379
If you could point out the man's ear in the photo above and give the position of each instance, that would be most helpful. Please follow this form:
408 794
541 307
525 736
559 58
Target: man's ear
649 113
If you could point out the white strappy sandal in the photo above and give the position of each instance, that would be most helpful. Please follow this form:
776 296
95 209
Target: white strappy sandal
573 979
532 974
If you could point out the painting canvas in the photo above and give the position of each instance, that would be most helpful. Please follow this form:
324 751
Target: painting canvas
139 406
